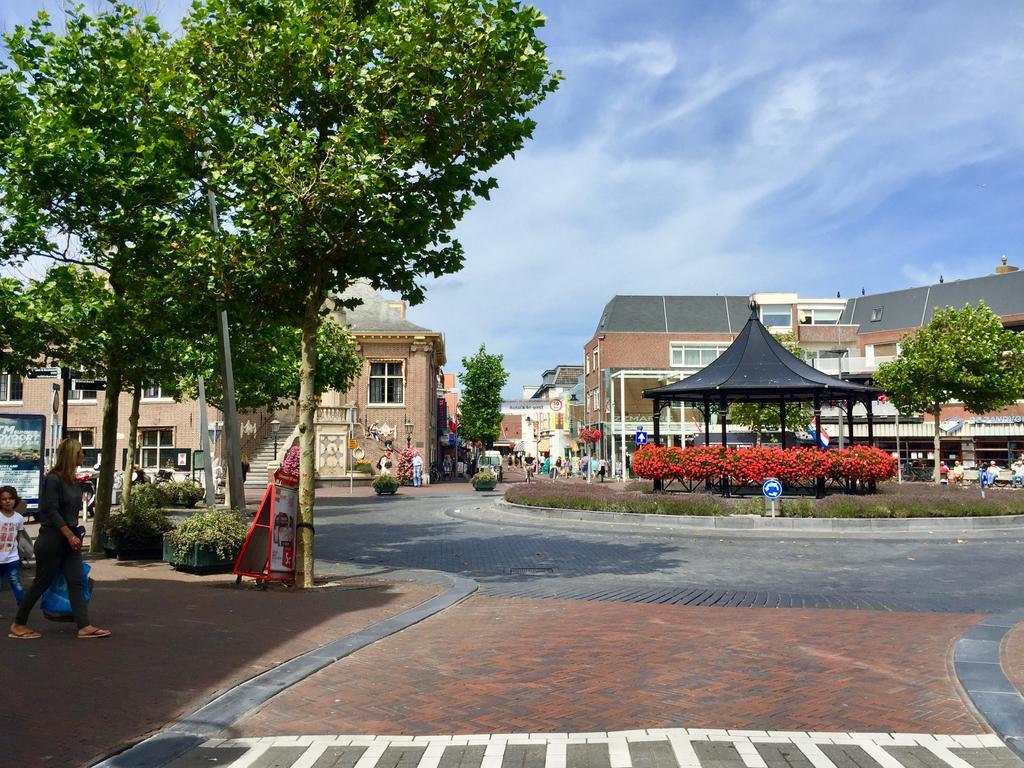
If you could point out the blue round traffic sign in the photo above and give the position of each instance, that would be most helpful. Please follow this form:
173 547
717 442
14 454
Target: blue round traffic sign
771 488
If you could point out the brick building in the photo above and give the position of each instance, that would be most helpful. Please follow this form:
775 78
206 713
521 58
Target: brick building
394 399
646 341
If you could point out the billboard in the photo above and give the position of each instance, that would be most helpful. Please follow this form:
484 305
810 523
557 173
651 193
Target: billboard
22 440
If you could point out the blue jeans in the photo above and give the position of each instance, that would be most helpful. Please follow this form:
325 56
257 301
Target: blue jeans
417 476
12 572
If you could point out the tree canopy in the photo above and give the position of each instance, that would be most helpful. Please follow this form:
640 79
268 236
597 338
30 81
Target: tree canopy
483 377
963 355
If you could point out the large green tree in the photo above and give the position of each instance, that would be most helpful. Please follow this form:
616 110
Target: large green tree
348 138
98 174
482 378
963 355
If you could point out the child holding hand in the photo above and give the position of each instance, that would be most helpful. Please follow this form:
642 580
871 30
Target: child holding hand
11 526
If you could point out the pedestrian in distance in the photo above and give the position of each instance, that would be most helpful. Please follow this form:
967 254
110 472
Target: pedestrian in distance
12 526
1017 478
602 469
556 468
956 474
944 473
59 544
417 471
245 467
529 468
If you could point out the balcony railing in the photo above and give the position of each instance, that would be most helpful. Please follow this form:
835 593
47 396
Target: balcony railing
831 365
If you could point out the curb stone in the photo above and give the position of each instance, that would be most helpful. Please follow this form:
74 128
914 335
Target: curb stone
979 669
215 716
748 523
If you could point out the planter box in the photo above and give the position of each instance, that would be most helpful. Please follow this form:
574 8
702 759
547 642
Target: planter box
485 486
386 491
150 548
198 560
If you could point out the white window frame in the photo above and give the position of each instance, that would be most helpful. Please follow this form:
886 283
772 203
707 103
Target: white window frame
82 397
682 346
813 312
765 311
9 379
385 403
162 451
159 396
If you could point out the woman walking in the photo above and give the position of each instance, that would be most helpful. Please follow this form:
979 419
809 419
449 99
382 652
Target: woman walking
59 544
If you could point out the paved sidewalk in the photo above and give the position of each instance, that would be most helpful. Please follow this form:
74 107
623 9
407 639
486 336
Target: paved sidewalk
178 640
655 748
496 665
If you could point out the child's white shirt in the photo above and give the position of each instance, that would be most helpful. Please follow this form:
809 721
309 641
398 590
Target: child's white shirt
10 525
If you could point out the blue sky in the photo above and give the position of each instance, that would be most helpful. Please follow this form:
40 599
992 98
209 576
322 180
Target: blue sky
725 147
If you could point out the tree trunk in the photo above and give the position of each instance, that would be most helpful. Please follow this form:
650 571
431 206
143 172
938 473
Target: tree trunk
133 437
307 468
108 448
937 444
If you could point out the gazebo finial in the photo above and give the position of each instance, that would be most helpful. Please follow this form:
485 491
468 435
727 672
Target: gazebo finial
754 307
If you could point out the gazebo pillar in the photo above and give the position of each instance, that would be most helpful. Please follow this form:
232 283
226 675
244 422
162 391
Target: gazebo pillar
707 421
819 482
782 421
849 420
657 435
723 414
871 422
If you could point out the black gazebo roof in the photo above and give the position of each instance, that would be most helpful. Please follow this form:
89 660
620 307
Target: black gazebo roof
757 368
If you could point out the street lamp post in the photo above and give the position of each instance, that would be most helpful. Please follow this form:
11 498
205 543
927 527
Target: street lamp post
408 432
275 428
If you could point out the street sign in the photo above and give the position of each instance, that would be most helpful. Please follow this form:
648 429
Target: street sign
771 488
93 385
44 373
353 443
640 438
555 405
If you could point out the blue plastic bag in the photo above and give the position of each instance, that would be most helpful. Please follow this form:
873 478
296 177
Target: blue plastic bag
56 604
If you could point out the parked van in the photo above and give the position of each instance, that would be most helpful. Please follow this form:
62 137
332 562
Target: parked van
491 461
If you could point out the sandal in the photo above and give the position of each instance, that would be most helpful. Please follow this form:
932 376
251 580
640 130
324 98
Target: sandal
95 632
31 634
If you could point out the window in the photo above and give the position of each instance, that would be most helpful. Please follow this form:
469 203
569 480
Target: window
82 394
818 316
157 448
387 384
694 356
11 388
595 366
587 361
777 315
886 350
154 392
87 439
876 314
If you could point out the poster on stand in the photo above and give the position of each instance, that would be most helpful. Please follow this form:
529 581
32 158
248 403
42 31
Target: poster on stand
269 550
22 440
282 542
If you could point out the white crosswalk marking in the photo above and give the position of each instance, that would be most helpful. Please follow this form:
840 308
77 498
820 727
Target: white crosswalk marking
915 748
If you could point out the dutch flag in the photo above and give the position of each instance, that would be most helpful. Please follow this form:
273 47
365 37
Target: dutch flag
824 435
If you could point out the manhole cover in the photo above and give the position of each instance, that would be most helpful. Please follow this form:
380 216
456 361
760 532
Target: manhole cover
532 571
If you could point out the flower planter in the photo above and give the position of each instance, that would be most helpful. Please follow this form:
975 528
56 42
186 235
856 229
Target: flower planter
484 486
386 490
142 548
198 560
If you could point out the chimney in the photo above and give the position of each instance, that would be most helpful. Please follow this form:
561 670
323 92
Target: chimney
1005 268
398 306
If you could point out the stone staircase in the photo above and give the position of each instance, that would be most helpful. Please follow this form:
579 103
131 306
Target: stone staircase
257 477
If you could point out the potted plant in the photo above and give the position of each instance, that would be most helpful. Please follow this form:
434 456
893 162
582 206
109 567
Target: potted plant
363 468
136 531
484 480
207 542
385 485
185 494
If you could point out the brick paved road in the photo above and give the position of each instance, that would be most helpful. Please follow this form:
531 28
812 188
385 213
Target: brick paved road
512 556
665 748
493 665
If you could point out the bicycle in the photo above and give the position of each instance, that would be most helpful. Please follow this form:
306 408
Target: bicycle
435 474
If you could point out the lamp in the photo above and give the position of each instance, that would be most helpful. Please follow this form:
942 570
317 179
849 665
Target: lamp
275 428
408 432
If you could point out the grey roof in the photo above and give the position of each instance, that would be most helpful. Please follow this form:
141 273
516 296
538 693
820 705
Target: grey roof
914 307
757 367
674 314
375 314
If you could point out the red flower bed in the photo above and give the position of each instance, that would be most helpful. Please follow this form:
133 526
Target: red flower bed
754 465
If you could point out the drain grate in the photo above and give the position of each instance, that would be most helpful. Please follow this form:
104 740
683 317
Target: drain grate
534 570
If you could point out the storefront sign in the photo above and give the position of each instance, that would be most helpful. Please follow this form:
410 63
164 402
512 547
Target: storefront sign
524 406
951 425
22 439
995 420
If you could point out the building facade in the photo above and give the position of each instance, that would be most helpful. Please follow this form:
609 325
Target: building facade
642 342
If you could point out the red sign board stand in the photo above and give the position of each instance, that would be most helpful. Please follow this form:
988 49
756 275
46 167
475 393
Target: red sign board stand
269 550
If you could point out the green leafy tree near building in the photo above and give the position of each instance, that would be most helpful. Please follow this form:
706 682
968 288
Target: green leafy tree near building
347 140
483 377
963 355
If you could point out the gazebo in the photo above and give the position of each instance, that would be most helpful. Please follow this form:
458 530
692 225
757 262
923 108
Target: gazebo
756 368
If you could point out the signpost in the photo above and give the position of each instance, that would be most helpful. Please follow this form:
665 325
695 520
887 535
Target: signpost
772 489
640 437
22 440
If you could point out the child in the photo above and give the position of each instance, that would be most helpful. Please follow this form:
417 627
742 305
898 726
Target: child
11 526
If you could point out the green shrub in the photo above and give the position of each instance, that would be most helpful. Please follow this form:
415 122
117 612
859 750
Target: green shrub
484 476
139 519
386 483
363 466
217 530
